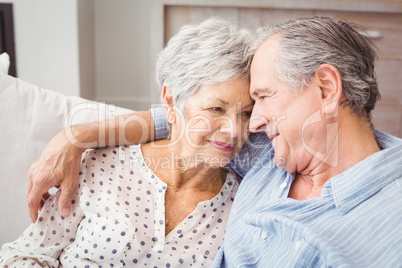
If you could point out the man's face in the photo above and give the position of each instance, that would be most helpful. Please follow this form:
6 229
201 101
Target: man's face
288 118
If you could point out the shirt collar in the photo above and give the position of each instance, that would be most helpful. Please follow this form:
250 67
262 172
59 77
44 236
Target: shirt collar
369 176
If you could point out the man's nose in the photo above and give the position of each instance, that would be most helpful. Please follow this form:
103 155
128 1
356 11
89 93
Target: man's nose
258 122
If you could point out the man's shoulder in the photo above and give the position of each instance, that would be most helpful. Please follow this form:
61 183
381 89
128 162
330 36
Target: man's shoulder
385 140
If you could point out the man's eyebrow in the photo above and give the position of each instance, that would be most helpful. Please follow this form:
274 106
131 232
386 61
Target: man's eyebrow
259 91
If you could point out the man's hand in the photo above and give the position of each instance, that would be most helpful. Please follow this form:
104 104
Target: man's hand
57 166
59 163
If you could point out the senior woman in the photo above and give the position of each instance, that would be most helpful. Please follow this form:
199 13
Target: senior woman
164 203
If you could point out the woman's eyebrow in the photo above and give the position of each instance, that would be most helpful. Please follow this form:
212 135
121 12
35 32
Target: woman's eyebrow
248 105
223 101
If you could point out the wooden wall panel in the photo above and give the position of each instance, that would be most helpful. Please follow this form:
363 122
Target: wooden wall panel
387 116
389 25
388 113
253 18
389 77
177 16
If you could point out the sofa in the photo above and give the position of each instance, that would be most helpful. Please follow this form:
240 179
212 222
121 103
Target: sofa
29 117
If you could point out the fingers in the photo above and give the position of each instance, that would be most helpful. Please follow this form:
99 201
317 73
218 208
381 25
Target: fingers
33 194
64 203
68 188
58 163
45 196
37 191
33 201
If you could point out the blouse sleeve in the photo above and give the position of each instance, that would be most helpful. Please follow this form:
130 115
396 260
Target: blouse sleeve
42 242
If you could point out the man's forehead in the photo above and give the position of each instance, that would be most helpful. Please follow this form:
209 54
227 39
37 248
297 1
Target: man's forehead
264 54
259 73
268 48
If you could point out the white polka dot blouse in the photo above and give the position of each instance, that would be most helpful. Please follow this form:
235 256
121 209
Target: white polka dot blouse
118 220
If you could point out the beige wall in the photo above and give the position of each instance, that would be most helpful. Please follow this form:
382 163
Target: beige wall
122 52
46 43
94 49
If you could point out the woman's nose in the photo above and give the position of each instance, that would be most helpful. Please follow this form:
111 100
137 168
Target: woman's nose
231 127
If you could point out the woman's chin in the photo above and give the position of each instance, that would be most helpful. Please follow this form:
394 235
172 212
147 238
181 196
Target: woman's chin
218 162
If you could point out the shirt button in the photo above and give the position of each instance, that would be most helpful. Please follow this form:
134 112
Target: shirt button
283 185
264 235
297 244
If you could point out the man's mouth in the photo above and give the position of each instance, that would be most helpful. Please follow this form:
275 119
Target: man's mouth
272 136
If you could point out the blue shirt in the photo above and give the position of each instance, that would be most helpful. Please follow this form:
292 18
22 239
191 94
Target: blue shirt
357 221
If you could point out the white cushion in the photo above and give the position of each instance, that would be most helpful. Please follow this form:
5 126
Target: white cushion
29 117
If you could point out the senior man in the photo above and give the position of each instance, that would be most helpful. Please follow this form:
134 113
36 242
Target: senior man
321 188
337 201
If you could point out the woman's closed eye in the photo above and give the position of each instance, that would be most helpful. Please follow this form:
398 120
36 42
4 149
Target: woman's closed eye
216 109
246 113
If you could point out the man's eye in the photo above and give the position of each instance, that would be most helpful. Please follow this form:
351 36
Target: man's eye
216 109
261 97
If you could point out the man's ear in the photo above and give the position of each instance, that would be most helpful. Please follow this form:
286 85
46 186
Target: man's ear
330 84
169 104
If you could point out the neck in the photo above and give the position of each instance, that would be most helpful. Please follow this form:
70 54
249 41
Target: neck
353 142
179 172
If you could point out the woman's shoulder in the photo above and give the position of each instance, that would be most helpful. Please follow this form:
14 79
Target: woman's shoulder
117 153
109 161
231 184
232 176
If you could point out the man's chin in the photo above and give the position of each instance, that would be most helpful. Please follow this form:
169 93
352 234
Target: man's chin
280 162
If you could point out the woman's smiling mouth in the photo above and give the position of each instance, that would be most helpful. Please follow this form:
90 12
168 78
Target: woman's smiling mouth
223 146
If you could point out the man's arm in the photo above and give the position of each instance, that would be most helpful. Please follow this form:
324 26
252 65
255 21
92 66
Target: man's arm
59 163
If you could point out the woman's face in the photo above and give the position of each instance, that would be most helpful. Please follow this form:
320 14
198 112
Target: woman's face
214 123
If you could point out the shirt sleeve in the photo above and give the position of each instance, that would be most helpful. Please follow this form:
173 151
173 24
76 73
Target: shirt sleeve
42 242
249 154
161 125
218 260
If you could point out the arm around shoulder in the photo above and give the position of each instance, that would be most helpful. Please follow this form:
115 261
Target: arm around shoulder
59 163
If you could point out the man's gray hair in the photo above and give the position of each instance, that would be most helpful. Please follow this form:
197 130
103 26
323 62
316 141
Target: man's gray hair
211 52
307 43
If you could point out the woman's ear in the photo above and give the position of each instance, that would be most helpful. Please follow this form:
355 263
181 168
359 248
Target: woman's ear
169 104
330 84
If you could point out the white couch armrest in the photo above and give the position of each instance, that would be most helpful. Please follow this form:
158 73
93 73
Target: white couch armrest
29 117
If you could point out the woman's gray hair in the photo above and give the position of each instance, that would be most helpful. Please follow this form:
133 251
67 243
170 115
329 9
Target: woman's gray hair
211 52
307 43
